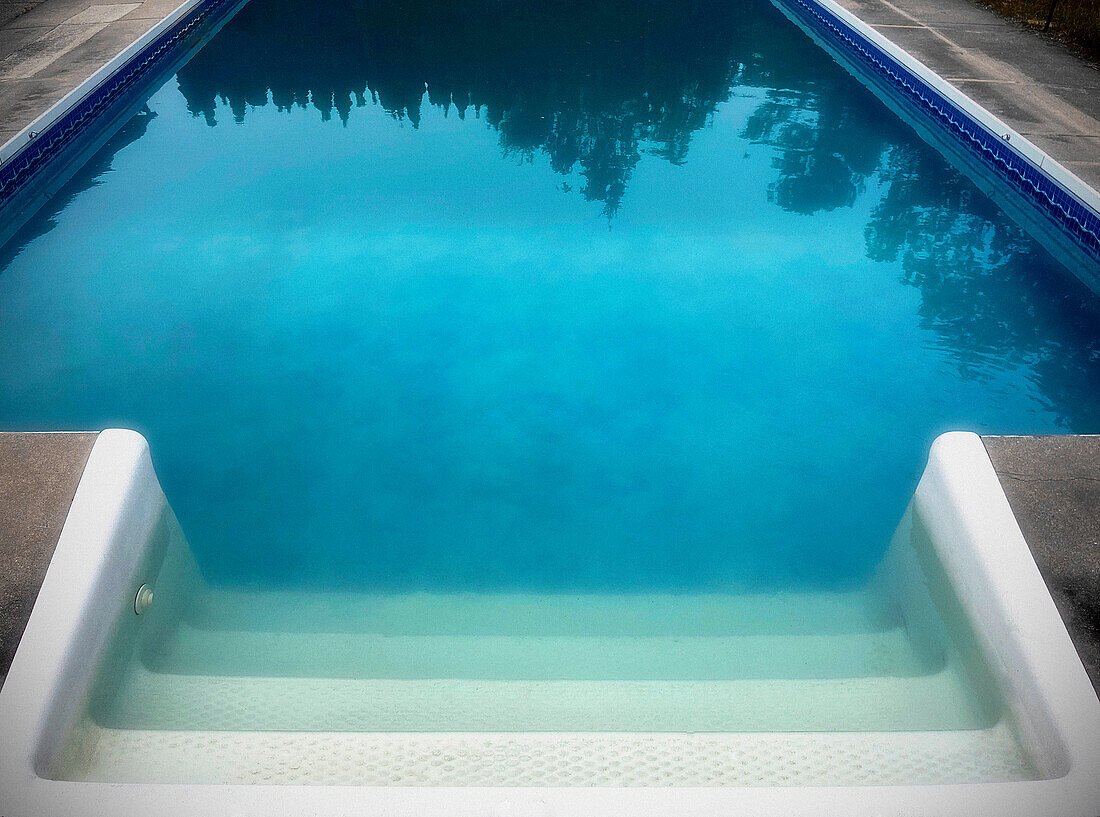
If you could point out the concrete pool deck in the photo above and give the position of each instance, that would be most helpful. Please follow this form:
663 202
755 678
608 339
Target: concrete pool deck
1052 484
1032 82
1053 487
38 478
1036 85
50 49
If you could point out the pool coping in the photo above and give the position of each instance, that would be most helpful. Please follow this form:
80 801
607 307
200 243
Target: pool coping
1053 194
27 136
959 499
39 143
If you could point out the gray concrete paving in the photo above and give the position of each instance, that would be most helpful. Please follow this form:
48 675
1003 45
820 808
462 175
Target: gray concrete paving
52 46
1035 84
38 478
1053 487
10 9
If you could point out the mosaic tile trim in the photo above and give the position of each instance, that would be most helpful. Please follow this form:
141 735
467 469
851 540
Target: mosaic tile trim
40 151
1061 207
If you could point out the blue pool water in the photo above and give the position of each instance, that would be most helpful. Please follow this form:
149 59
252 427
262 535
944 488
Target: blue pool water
501 296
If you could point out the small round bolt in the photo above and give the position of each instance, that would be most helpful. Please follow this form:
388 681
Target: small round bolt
144 599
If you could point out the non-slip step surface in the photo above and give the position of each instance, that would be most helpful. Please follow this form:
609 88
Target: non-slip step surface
148 700
361 759
696 658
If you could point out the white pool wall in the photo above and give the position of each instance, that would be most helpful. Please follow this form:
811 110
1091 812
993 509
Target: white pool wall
1019 631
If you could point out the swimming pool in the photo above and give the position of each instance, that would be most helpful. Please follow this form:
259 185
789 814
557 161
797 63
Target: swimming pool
952 667
612 318
515 370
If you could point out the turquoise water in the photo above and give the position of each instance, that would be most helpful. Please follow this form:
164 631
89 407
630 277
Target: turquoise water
505 297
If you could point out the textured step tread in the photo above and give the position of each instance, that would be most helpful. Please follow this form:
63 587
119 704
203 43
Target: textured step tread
365 759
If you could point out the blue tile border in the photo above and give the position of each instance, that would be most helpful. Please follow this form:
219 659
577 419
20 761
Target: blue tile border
30 160
1060 206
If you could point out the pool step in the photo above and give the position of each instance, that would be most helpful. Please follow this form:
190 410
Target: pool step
519 614
533 657
152 700
387 759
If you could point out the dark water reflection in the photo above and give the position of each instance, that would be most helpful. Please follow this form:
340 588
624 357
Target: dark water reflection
993 298
593 87
598 87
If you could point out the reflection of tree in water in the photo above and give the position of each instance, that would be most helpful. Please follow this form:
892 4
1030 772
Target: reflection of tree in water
87 177
594 89
597 89
988 290
826 143
992 295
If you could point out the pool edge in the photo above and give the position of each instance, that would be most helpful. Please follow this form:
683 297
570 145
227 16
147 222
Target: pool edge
1049 194
46 138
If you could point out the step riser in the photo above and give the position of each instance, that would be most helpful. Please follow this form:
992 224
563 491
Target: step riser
537 615
198 652
152 701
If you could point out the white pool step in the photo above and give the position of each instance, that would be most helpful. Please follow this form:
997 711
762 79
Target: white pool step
514 690
488 759
650 614
151 700
532 657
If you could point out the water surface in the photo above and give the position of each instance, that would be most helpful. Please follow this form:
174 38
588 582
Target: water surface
512 296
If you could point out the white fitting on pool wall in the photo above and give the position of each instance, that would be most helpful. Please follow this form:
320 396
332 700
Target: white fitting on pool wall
967 554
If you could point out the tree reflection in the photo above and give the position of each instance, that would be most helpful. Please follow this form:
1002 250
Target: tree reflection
593 89
992 295
987 289
88 176
597 88
827 145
